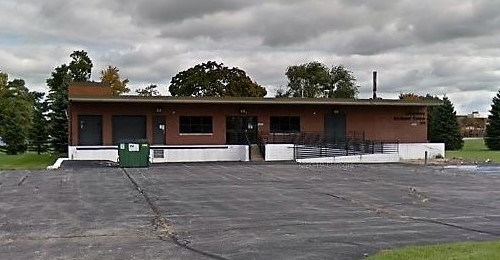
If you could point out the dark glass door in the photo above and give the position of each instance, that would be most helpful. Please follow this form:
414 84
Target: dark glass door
241 129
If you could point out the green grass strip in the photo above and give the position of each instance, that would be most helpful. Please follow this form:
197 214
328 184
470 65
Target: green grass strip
26 161
474 150
455 251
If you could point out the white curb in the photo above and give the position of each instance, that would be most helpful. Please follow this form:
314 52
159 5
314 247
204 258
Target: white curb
57 164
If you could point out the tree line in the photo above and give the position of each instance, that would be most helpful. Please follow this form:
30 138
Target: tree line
38 121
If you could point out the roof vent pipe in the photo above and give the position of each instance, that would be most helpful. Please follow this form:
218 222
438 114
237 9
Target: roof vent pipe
375 85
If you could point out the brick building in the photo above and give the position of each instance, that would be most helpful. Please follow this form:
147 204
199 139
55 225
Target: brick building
223 129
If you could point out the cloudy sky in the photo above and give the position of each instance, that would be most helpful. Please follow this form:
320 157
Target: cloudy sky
441 47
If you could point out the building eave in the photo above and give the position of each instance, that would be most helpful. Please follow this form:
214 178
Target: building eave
251 101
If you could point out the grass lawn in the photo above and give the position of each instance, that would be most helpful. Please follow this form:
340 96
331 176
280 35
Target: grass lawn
474 150
456 251
26 161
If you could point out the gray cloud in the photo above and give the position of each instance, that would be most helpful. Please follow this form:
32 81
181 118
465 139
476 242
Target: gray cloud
429 46
160 12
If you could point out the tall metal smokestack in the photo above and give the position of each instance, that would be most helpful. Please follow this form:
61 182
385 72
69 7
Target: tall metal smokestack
375 85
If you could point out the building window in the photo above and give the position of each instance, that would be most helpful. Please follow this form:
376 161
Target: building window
195 124
128 128
285 124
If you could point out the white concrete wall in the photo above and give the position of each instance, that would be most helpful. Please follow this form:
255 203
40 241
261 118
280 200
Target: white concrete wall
97 153
192 153
365 158
202 154
279 152
274 152
416 151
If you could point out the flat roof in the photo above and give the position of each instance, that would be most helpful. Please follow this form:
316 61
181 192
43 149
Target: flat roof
252 100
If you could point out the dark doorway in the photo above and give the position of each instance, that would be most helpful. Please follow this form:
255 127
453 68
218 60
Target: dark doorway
90 130
239 128
129 128
335 127
159 130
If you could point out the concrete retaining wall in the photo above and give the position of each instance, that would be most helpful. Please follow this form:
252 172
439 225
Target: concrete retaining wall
417 151
279 152
186 153
109 153
200 153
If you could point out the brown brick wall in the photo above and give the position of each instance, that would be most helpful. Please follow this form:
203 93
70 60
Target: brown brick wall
88 89
406 124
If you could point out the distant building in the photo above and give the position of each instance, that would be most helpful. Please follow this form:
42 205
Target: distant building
472 125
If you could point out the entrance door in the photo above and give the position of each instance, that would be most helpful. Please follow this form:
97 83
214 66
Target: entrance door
90 130
335 127
159 130
239 128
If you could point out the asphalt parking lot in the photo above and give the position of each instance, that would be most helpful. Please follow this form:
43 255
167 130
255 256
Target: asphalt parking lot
241 210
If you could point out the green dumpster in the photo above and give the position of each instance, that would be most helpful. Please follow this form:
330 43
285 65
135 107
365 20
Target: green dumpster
133 154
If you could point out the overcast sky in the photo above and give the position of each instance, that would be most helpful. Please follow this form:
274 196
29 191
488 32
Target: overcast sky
439 47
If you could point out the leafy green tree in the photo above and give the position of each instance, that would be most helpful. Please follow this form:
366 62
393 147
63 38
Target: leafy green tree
315 80
344 83
216 80
39 135
148 91
3 82
78 70
492 139
16 116
15 125
3 89
58 105
309 80
17 88
111 77
444 127
80 67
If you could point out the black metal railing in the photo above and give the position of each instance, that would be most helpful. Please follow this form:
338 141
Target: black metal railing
319 144
349 147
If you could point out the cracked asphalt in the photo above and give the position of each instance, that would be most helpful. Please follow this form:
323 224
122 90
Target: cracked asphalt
241 210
